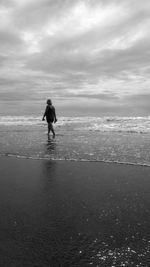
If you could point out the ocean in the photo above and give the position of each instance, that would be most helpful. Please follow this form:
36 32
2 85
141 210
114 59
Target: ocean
123 140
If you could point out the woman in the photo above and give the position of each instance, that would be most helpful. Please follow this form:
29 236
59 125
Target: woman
50 115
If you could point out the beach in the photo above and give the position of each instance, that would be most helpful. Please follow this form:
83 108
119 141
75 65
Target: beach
73 213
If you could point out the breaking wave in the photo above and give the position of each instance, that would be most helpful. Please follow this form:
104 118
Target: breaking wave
101 124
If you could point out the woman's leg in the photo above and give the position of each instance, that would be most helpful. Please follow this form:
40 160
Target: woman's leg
50 128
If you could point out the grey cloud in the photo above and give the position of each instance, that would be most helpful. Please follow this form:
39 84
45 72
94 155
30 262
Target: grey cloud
139 103
140 99
12 48
66 64
58 54
110 63
10 38
131 59
100 96
36 13
3 59
7 3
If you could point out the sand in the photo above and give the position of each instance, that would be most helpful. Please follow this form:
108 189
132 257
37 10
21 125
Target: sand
59 213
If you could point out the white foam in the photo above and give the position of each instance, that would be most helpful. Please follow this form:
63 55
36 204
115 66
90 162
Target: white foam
102 124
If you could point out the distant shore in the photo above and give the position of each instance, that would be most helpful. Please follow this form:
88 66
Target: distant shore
60 213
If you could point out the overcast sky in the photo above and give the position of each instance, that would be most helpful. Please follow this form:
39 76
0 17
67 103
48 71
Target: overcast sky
89 56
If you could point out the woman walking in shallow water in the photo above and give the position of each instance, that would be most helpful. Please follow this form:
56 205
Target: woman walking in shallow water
50 115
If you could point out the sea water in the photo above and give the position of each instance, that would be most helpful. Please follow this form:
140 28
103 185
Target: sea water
109 139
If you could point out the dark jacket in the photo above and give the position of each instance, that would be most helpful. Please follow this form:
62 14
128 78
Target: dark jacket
50 113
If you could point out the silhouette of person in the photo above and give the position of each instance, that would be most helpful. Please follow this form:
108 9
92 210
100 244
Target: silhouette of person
50 115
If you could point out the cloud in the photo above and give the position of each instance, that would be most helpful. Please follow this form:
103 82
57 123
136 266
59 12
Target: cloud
80 49
10 42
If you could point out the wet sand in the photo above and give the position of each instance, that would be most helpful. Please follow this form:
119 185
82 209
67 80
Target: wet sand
55 213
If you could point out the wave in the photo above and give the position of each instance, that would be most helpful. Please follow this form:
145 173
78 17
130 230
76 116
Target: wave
101 124
74 160
19 120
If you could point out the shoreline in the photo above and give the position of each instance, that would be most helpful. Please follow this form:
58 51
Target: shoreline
9 155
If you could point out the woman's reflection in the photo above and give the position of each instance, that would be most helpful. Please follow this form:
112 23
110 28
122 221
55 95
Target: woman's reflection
51 146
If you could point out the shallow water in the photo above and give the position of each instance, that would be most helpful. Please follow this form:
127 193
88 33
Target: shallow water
123 140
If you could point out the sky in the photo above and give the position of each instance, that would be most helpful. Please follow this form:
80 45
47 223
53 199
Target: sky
91 57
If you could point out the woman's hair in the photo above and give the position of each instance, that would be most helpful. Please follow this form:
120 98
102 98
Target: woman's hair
49 101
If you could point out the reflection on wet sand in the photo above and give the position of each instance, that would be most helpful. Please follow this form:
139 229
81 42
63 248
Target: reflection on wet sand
51 145
56 213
